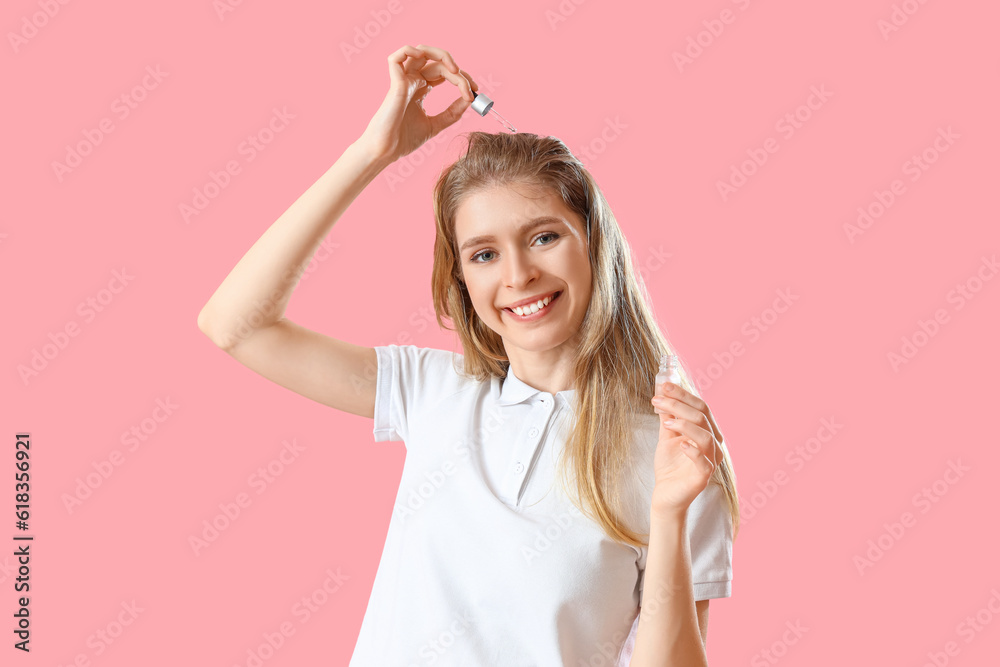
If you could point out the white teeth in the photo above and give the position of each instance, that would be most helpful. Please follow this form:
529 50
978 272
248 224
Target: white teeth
533 308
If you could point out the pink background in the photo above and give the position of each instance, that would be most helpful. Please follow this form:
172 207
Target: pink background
658 137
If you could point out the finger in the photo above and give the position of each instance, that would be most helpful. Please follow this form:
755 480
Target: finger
685 397
449 115
400 54
441 55
698 445
693 432
432 72
715 427
429 74
674 408
397 57
693 453
413 65
704 442
475 86
679 393
436 71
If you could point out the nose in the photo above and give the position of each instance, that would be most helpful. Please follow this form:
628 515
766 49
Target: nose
519 270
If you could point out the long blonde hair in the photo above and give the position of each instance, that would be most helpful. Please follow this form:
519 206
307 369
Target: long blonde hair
621 343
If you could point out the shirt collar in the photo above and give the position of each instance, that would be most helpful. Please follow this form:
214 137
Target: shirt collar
514 390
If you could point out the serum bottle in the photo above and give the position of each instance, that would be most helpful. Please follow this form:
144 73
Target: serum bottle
483 105
670 372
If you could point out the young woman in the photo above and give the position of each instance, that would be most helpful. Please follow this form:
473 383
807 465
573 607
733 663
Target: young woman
542 499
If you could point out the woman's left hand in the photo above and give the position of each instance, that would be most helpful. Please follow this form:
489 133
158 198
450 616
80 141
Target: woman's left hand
688 450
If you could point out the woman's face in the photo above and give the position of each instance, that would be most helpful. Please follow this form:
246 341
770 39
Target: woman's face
519 242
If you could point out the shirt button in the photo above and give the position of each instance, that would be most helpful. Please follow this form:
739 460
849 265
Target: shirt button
533 432
519 468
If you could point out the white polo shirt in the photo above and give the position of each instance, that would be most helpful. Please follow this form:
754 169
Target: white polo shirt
486 561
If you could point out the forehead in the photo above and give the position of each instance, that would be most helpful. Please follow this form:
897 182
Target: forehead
501 208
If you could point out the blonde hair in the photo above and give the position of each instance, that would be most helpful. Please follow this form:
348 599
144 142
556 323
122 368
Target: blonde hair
620 341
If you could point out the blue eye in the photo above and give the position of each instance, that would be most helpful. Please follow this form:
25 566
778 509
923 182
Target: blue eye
475 257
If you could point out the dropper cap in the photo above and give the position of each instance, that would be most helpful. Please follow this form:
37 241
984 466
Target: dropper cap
481 104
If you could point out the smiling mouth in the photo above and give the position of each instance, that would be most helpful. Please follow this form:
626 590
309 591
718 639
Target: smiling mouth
528 314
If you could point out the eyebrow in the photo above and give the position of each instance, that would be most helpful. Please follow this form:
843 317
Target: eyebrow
526 227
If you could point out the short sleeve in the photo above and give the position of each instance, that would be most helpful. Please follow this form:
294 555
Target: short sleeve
407 378
709 525
390 402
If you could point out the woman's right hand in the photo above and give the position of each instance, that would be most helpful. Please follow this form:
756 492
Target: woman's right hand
401 126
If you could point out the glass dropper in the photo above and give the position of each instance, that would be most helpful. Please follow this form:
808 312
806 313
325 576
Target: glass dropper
482 104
